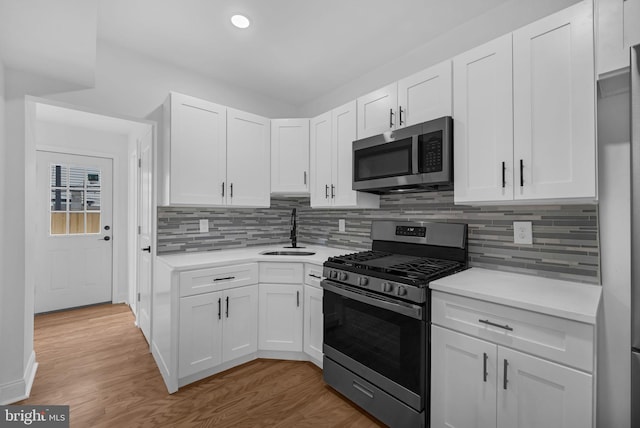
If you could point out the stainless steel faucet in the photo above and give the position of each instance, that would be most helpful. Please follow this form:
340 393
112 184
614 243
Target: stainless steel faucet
294 230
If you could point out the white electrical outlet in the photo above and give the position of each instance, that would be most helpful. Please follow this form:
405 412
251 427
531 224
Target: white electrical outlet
522 232
204 225
341 225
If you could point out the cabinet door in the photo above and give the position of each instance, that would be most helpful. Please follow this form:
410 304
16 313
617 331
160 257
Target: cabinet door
313 322
321 165
377 111
554 106
483 123
248 159
290 156
200 333
280 317
463 380
344 133
631 20
613 54
425 95
240 326
538 393
198 151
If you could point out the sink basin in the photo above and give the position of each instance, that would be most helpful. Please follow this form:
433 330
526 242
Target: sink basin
288 253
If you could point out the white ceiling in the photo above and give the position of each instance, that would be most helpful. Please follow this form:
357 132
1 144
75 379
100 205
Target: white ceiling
83 119
295 50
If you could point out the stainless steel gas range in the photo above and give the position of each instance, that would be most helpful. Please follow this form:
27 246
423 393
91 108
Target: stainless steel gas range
376 317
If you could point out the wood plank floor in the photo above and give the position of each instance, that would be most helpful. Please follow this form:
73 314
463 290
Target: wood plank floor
96 361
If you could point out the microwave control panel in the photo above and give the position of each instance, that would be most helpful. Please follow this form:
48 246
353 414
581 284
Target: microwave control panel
430 152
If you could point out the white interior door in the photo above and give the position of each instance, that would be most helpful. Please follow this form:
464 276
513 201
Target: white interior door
144 236
74 248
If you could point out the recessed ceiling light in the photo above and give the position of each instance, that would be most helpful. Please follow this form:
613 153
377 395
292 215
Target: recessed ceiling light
240 21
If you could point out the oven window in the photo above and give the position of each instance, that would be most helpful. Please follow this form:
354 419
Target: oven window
392 344
384 160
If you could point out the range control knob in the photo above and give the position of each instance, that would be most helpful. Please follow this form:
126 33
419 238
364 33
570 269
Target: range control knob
363 281
333 274
387 287
342 276
401 291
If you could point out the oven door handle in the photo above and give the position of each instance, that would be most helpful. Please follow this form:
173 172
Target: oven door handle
412 311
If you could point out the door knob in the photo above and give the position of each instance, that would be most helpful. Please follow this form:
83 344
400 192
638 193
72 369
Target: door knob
106 238
147 249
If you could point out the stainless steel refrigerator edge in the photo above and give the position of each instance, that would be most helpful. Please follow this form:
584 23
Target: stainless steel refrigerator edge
635 236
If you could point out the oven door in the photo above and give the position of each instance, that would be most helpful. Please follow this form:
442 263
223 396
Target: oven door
382 340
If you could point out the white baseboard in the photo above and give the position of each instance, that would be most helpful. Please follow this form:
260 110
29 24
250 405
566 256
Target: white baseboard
20 389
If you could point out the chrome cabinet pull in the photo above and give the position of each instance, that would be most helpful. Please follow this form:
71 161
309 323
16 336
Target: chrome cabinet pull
315 276
333 188
401 121
224 278
504 183
219 308
326 191
305 178
505 381
390 118
297 299
227 306
521 173
231 191
485 374
223 189
506 326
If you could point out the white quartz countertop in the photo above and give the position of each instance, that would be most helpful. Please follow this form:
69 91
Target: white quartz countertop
566 299
206 259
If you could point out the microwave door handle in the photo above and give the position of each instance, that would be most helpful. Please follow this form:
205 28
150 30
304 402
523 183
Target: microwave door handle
415 168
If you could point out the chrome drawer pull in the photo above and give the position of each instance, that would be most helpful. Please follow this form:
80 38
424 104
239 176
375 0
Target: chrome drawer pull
506 327
224 278
504 380
484 370
315 276
362 389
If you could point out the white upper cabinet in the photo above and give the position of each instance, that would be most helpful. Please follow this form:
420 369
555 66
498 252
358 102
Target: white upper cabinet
376 111
537 143
320 159
332 135
420 97
554 107
290 156
248 159
483 123
425 95
618 29
208 150
195 151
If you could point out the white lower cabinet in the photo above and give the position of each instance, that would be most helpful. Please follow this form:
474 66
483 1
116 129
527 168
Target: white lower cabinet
484 382
217 327
281 317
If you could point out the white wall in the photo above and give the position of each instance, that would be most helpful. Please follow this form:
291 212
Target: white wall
614 346
131 84
88 141
496 22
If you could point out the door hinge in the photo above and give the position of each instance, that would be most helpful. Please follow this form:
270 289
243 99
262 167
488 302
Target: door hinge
138 297
139 162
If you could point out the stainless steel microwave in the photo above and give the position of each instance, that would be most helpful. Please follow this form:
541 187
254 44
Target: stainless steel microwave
415 158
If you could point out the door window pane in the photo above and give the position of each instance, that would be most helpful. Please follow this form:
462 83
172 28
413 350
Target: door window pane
75 200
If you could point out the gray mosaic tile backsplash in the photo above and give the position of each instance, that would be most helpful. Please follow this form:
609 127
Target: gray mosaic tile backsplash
565 237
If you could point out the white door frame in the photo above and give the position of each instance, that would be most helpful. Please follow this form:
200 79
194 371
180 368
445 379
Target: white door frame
31 191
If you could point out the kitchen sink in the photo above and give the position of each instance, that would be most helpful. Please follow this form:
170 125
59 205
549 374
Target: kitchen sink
288 253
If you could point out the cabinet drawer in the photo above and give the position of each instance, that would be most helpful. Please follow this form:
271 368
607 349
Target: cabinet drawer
312 275
281 273
557 339
219 278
